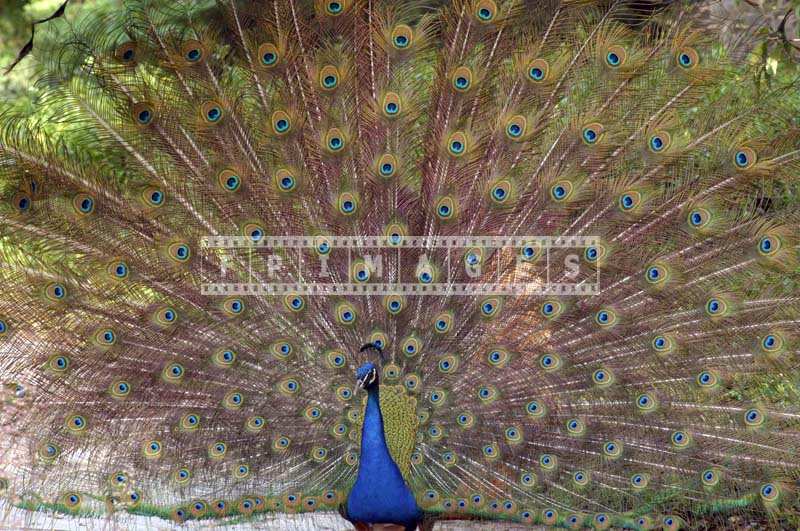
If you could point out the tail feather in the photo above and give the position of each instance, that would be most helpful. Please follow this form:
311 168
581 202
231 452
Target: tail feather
171 129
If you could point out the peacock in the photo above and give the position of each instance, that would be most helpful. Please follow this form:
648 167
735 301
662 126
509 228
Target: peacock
523 261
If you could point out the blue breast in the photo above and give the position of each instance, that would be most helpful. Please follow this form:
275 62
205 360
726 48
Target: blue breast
380 495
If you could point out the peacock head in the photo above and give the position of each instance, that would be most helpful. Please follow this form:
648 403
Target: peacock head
367 376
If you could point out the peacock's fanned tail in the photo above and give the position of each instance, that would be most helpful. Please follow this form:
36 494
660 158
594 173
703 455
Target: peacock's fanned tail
127 388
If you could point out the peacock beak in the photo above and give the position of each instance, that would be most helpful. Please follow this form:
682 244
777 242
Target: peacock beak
360 384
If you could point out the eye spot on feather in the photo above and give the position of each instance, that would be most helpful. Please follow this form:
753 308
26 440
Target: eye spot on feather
629 201
445 208
126 53
769 245
294 302
173 373
662 344
548 462
710 477
76 423
457 144
538 70
348 203
255 424
527 479
769 492
392 105
412 382
233 401
118 269
189 422
465 420
549 516
595 253
656 274
192 51
487 394
516 127
687 58
605 318
289 386
462 79
334 140
105 337
490 307
165 316
217 450
152 449
754 418
268 55
616 57
402 37
592 133
645 403
443 323
345 313
500 191
83 204
334 8
281 443
550 362
437 397
744 158
716 307
48 452
498 358
601 521
639 481
707 379
241 472
55 291
561 191
485 11
550 309
699 218
179 252
281 123
71 500
491 452
58 363
119 389
143 113
312 413
233 306
772 343
211 112
680 439
21 202
530 252
659 142
153 197
576 427
612 449
387 165
513 435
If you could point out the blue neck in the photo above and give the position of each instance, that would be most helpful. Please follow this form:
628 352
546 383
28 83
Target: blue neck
374 450
379 495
